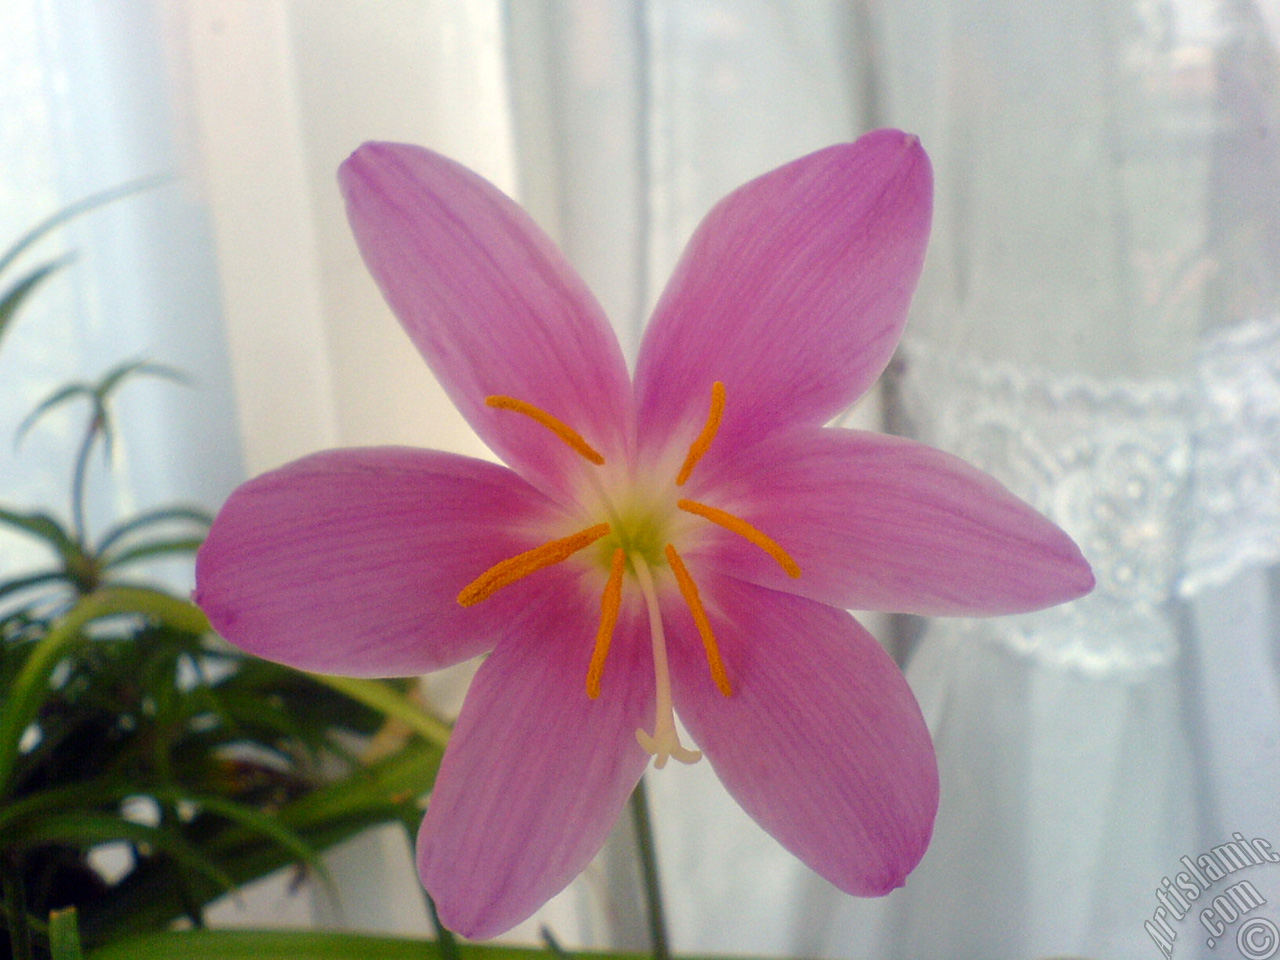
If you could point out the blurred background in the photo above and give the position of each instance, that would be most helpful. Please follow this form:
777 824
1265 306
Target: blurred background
1098 326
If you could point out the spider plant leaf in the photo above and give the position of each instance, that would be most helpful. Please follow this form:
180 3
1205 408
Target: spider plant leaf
73 210
13 298
192 515
31 687
149 551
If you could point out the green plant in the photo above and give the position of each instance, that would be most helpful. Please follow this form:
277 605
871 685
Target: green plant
125 724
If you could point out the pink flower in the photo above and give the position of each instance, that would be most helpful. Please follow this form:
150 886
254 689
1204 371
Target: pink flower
686 540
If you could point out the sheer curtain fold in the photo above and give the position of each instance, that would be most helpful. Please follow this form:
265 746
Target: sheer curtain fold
92 103
1075 335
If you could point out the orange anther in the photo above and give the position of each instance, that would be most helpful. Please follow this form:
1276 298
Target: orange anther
561 429
515 568
702 442
689 590
610 602
743 529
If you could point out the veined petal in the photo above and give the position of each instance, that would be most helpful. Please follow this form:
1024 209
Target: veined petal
822 742
792 292
350 561
491 304
536 772
883 523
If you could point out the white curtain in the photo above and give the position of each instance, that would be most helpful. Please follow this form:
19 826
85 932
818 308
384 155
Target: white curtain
85 96
1099 326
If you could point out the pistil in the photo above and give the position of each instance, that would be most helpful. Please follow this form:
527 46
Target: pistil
664 742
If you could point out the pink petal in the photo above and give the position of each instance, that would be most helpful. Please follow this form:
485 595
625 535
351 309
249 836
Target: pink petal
883 523
491 304
822 742
351 561
535 773
793 292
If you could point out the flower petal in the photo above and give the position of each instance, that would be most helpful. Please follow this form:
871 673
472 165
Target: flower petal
793 292
351 561
822 742
884 523
490 303
535 773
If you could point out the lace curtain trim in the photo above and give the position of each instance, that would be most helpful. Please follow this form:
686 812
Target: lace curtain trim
1168 486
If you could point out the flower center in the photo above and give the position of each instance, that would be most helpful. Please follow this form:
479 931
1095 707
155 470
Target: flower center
636 541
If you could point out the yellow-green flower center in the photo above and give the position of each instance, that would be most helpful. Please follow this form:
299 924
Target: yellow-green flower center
637 531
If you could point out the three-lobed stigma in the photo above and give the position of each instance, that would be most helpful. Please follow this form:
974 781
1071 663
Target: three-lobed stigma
633 548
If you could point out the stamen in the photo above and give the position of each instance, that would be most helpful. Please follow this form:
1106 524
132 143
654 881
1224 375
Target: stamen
743 529
509 571
689 590
610 602
703 441
561 429
665 741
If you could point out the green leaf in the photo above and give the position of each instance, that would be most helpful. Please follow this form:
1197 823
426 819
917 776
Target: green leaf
307 945
118 374
16 295
64 935
382 696
70 212
193 515
156 548
25 822
45 527
253 820
31 687
89 828
55 400
328 815
35 806
98 394
35 580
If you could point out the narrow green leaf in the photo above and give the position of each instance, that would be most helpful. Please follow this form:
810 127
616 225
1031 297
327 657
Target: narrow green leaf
194 515
70 212
383 697
308 945
64 935
16 295
52 402
35 580
98 394
328 815
118 374
35 806
25 822
31 687
253 820
148 551
43 526
89 828
13 903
